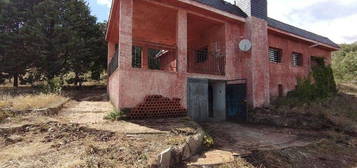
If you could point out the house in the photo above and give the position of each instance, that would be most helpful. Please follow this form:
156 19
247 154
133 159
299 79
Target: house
207 56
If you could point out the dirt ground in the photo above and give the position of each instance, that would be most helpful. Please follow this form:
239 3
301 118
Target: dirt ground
249 146
295 138
79 137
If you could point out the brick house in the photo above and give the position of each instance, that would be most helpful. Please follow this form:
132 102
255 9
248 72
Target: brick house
207 56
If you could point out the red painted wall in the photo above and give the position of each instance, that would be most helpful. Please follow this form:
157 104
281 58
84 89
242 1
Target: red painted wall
285 73
128 86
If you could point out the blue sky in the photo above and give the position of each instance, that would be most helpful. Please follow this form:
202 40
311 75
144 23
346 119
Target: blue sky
100 8
336 19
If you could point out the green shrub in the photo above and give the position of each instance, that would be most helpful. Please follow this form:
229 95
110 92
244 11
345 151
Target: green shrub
208 141
322 87
54 85
117 115
324 81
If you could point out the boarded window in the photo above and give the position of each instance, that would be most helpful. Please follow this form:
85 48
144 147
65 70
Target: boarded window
275 55
201 55
297 59
137 56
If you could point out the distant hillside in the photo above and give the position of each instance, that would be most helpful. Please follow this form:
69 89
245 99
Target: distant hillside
344 62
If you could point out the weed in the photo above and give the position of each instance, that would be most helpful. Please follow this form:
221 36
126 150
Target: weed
208 141
115 115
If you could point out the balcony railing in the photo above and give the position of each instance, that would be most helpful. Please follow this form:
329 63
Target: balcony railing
204 61
113 64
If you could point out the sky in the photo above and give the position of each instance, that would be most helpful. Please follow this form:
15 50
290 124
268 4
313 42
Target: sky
336 19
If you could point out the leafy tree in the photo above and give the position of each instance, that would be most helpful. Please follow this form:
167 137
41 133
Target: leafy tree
345 62
14 53
50 37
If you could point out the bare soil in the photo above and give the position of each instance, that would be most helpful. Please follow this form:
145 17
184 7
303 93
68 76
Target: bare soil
80 137
316 135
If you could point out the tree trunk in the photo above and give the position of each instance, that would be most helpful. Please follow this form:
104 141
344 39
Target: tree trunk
16 79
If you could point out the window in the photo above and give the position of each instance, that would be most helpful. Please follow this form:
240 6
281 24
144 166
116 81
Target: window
275 55
154 58
201 55
297 59
317 61
136 58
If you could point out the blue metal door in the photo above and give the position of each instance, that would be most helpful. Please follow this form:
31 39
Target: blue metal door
236 102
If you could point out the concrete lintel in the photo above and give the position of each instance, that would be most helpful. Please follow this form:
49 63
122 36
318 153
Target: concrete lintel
206 7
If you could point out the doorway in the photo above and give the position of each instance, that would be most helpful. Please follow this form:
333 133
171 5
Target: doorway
236 102
206 99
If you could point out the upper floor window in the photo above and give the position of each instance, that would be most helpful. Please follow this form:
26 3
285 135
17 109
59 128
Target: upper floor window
297 59
275 55
137 56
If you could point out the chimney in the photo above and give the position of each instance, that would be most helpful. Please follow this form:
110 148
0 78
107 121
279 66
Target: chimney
256 8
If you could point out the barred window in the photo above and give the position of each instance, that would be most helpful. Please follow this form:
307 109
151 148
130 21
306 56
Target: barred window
136 57
297 59
202 55
275 55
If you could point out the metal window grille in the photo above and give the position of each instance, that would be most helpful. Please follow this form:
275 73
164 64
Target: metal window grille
136 57
201 55
113 64
275 55
297 59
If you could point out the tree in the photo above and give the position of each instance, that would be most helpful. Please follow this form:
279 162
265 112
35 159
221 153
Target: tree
345 62
68 37
52 37
14 57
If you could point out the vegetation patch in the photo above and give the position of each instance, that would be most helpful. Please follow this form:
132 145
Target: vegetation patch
325 153
116 115
31 102
318 86
344 63
208 141
11 106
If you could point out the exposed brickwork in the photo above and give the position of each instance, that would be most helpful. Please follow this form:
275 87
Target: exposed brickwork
156 106
170 23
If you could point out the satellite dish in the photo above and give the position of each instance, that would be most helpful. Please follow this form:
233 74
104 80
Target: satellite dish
245 45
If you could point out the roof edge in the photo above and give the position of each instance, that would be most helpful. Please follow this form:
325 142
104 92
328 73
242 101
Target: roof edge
109 19
289 30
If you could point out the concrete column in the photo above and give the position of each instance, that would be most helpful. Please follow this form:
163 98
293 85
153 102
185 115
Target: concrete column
125 33
258 77
181 41
229 44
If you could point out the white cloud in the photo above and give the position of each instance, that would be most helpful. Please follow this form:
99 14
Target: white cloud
331 18
107 3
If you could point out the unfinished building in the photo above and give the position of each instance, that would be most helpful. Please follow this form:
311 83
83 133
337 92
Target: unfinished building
208 57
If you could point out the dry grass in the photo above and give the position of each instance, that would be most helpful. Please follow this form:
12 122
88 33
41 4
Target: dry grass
238 163
348 88
30 102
